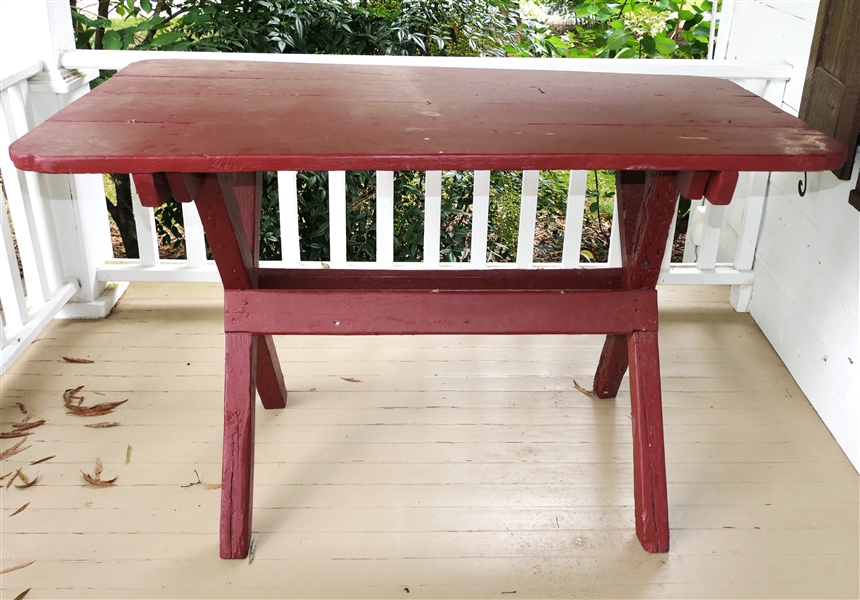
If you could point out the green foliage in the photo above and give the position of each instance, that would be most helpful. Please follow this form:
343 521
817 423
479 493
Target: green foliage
634 28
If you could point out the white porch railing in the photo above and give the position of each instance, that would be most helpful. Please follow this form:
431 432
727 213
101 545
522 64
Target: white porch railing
64 238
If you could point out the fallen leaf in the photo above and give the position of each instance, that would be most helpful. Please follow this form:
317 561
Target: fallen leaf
728 527
20 510
71 394
6 475
128 455
351 379
16 567
99 394
26 485
23 477
87 411
79 361
212 486
14 477
13 450
25 592
99 468
589 393
102 425
325 266
21 407
41 460
24 426
98 482
251 550
8 435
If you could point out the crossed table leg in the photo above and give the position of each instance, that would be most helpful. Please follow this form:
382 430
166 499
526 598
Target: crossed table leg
229 207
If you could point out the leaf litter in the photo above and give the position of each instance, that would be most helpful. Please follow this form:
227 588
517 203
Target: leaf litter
97 410
589 393
41 460
20 510
27 484
14 477
79 361
103 425
23 594
17 567
13 450
96 479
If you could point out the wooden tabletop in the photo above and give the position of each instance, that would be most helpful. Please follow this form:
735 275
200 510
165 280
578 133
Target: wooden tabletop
202 116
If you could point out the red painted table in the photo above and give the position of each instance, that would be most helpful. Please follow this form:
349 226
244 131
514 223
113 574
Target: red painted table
203 131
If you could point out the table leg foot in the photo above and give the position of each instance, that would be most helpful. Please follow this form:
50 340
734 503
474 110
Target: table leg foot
237 481
270 379
612 366
649 462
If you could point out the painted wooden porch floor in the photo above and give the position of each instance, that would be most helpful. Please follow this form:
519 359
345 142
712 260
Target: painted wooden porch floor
452 466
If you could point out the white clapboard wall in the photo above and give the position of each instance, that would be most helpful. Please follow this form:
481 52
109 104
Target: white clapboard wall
806 297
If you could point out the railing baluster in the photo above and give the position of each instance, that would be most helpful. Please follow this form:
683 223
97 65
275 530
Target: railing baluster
195 243
432 217
337 217
710 241
144 224
528 215
689 245
288 207
25 203
670 241
573 219
614 256
480 218
11 290
385 218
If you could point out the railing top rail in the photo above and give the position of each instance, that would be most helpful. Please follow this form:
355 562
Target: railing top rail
117 59
19 75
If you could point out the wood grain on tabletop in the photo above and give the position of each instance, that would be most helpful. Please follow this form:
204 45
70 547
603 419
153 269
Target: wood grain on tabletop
237 116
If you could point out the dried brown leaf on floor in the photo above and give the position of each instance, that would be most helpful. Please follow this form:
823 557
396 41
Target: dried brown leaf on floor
98 482
128 455
17 567
96 410
13 450
20 510
212 486
589 393
103 425
21 407
14 477
24 425
99 468
99 393
27 484
2 477
78 361
23 594
351 379
7 435
41 460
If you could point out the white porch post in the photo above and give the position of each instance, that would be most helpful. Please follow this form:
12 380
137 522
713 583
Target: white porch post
74 204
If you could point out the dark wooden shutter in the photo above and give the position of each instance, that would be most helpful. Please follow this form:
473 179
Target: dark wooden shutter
831 93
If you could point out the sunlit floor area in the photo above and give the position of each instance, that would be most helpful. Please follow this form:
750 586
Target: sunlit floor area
404 467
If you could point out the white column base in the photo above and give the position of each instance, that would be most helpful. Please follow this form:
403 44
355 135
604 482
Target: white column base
98 308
